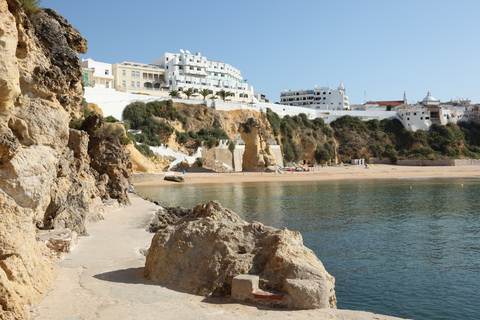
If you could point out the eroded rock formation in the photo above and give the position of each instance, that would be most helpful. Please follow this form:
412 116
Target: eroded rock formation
200 251
46 177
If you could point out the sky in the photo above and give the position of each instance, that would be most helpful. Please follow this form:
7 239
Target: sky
378 48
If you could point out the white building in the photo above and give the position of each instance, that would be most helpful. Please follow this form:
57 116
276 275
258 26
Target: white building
101 72
318 98
186 70
430 111
140 78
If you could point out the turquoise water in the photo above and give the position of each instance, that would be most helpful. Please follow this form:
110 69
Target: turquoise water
409 248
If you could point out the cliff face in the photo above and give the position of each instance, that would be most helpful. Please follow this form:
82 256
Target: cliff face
188 126
46 179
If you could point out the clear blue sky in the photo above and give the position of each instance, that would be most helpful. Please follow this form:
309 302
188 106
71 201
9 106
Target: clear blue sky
377 47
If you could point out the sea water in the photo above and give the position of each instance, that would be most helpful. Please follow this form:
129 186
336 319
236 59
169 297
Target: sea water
408 248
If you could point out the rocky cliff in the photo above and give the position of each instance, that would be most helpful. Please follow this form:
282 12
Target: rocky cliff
51 176
186 127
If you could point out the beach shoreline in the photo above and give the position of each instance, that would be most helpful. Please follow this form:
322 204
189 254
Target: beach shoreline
373 172
105 273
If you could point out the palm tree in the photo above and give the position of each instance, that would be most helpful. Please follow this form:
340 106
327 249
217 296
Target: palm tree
224 94
204 93
189 92
174 94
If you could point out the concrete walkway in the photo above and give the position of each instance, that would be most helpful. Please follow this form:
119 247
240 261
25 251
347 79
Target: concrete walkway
102 279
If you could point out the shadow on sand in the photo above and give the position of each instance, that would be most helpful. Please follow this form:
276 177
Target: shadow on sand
135 276
129 276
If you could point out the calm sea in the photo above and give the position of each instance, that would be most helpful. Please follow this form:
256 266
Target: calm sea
409 248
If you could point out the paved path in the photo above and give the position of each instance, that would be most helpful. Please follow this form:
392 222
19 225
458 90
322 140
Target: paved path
102 279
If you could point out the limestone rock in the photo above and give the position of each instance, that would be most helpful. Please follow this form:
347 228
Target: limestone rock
46 179
108 157
257 154
61 241
201 250
9 75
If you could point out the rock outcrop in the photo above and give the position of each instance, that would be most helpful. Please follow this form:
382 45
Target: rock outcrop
46 176
201 250
257 154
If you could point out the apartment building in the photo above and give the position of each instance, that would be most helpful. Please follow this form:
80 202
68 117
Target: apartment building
323 98
97 74
139 78
193 70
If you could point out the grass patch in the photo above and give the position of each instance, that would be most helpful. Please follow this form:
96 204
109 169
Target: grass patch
30 6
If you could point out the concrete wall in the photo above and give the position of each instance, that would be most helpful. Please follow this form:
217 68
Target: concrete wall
276 151
439 163
113 102
224 155
429 163
466 162
238 158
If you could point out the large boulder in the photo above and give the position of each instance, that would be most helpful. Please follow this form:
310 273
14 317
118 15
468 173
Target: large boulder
201 250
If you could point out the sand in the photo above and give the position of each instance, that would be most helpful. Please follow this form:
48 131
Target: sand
102 279
321 174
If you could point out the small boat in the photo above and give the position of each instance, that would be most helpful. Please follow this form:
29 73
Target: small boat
174 178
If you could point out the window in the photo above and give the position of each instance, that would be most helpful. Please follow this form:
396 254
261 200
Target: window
124 83
133 84
107 72
133 74
124 72
138 84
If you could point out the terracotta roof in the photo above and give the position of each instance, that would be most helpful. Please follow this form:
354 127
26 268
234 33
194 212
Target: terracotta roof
391 103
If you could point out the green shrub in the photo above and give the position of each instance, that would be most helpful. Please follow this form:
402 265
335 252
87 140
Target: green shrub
324 153
145 150
30 6
111 119
136 114
274 120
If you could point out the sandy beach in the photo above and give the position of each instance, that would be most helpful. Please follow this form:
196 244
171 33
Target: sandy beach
320 174
102 279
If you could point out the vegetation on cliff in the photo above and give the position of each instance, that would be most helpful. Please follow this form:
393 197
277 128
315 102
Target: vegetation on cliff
155 120
350 138
303 139
388 139
30 6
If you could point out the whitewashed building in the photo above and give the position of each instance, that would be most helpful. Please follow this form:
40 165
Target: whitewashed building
430 111
97 74
192 70
318 98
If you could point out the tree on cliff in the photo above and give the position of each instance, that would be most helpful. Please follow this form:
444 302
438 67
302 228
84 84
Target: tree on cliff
224 94
189 92
205 93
